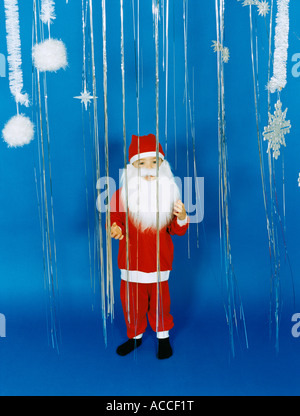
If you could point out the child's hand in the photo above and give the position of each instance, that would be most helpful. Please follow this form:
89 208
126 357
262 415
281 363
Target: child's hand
179 210
116 232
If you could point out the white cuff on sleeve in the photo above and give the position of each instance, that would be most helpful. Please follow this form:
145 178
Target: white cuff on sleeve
181 223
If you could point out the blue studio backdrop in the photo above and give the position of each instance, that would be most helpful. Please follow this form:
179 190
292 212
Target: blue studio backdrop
202 363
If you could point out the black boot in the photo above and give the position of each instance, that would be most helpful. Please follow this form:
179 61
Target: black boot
129 346
164 349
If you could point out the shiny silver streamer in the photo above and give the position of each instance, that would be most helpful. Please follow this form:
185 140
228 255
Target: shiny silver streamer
48 235
99 234
109 270
84 17
197 190
269 218
185 21
174 87
277 228
167 75
233 305
272 238
124 140
136 36
272 210
156 15
190 118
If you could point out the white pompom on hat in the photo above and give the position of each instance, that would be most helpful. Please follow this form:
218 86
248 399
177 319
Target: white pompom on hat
50 55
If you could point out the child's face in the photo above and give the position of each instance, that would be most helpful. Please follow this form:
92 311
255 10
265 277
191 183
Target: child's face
147 163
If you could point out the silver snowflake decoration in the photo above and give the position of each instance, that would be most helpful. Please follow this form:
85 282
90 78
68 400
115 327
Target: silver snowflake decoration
85 98
223 49
262 6
217 46
225 55
277 129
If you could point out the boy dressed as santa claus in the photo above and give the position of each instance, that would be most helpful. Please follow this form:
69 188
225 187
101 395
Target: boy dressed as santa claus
145 262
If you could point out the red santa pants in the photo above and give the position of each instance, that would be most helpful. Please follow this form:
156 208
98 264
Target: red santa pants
140 300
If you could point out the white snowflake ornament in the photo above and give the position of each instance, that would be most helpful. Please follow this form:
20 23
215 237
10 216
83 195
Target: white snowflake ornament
263 8
277 129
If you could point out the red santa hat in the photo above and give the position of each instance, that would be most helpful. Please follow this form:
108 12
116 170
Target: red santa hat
144 146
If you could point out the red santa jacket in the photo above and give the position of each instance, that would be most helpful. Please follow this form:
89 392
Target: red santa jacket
142 245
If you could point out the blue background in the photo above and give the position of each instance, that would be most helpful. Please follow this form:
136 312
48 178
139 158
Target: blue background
202 362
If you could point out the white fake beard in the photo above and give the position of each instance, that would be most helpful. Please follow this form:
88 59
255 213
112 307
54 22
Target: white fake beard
142 201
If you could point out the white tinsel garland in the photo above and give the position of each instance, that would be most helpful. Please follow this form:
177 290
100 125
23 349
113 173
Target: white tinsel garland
48 11
14 51
279 79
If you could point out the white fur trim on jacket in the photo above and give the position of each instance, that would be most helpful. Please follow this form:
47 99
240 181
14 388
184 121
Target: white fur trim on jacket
134 276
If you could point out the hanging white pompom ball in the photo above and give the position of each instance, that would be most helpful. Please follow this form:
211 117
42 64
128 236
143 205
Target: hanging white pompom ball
50 55
18 131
